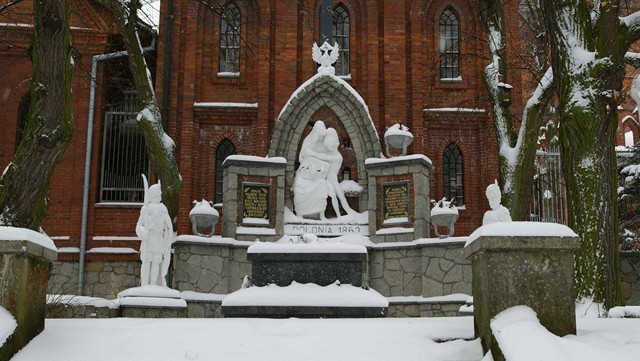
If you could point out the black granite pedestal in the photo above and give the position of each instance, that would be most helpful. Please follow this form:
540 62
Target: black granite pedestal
274 272
320 268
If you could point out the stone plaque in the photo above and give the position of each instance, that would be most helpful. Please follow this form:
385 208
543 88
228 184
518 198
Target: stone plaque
255 203
395 202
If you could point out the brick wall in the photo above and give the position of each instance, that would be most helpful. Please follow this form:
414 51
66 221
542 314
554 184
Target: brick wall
394 57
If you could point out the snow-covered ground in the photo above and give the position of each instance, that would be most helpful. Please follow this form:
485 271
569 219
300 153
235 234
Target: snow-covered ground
405 339
7 325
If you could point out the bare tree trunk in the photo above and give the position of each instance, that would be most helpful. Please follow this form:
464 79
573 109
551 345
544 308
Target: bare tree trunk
160 147
49 125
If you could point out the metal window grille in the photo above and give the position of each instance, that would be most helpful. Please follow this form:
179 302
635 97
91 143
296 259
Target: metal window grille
230 39
225 149
341 32
549 200
449 45
452 172
124 156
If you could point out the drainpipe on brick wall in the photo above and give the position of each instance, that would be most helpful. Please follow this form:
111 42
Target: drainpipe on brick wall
87 159
166 70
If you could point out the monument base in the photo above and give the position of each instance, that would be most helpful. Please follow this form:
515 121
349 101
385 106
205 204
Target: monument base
303 312
305 301
319 263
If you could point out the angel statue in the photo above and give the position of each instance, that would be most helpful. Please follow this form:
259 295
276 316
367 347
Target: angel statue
326 55
155 230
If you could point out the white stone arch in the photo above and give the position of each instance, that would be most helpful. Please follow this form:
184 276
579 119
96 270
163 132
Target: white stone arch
341 98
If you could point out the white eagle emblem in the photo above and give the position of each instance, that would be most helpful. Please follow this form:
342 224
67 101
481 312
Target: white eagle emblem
325 55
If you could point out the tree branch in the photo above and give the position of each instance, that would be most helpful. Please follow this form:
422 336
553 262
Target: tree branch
160 147
9 4
216 10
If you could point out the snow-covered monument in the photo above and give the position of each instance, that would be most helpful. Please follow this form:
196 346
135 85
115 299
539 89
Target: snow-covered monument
287 213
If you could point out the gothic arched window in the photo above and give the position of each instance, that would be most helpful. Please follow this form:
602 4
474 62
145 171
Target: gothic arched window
225 149
449 45
452 172
341 32
230 39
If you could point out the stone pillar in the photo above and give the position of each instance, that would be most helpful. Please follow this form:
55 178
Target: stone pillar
398 198
24 273
532 266
253 198
630 276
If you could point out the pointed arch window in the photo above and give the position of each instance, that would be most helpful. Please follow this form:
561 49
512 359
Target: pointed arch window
453 174
449 43
341 33
225 149
230 40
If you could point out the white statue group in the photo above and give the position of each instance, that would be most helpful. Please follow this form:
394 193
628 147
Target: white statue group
317 176
316 180
155 230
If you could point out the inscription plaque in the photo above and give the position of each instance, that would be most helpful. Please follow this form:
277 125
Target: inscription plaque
395 201
255 202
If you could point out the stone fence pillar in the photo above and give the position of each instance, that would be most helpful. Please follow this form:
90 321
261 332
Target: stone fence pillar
25 265
398 198
253 198
523 263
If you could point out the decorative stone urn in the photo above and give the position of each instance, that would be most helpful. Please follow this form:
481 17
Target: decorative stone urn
398 137
444 214
203 216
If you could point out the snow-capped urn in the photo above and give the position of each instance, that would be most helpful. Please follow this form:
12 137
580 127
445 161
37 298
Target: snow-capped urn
398 136
325 56
444 206
155 230
444 214
498 212
203 216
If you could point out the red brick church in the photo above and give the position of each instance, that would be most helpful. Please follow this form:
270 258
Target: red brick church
224 72
234 65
